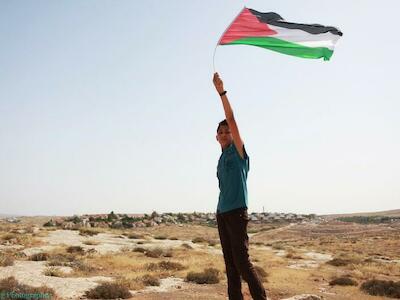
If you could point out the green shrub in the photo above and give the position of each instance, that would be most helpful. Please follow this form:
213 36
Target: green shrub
49 223
112 216
74 219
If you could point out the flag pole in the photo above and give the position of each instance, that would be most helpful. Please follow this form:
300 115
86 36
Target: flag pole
215 49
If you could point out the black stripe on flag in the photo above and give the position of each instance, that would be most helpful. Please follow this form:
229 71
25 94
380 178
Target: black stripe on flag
276 20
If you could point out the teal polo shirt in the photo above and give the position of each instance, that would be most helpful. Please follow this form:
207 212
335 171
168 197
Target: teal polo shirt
232 175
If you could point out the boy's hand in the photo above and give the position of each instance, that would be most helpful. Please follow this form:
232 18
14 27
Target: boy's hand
219 85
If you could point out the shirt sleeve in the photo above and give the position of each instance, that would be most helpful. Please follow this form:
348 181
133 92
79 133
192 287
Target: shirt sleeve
246 157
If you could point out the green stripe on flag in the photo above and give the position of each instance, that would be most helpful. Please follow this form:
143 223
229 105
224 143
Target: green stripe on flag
285 47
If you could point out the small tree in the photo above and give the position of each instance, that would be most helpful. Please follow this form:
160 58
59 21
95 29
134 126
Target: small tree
111 216
75 219
49 223
180 217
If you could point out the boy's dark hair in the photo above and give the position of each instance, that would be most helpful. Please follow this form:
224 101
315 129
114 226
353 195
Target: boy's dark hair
222 123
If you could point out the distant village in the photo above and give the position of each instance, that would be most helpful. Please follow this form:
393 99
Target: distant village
113 220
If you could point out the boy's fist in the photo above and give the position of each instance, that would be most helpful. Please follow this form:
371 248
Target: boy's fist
219 85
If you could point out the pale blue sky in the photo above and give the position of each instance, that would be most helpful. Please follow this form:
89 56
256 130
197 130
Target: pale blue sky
109 105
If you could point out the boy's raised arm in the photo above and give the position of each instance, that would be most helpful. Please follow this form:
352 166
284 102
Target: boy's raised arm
237 140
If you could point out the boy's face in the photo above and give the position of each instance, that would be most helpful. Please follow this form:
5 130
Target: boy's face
224 136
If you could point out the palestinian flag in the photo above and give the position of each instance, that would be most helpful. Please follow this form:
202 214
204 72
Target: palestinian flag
270 31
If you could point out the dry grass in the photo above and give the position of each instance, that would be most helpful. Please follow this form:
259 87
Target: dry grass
53 271
278 246
158 252
6 260
181 232
109 290
65 257
387 288
199 240
130 267
207 276
186 246
293 254
9 237
213 243
150 280
135 236
139 249
24 239
91 242
289 282
262 274
11 284
89 231
75 249
344 280
339 262
41 256
362 252
59 257
165 265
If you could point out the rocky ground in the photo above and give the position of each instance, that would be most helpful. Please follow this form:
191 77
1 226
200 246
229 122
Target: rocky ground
295 256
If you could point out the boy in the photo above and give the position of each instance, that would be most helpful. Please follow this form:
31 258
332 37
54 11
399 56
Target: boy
232 217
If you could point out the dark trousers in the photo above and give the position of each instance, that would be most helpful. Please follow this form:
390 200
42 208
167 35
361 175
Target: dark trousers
232 228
